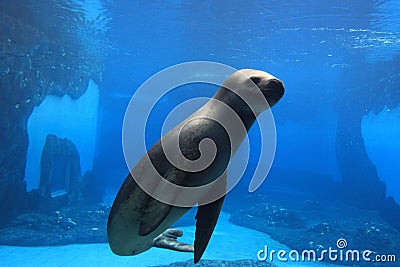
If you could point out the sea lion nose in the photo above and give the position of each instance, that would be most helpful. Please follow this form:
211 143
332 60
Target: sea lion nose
275 91
277 85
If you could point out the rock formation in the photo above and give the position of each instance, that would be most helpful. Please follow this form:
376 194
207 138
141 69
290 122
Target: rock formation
365 87
38 57
60 169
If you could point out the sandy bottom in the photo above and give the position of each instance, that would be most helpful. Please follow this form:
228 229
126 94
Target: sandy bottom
229 242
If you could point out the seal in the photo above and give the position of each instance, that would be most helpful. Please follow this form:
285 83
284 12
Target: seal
137 221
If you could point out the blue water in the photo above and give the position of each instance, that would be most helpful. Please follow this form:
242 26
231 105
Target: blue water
337 125
309 45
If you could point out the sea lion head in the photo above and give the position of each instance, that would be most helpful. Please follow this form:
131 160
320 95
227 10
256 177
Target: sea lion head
249 83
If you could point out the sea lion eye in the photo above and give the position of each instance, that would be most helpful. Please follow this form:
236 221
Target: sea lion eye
255 79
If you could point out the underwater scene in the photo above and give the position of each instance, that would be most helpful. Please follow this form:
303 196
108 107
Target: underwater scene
200 133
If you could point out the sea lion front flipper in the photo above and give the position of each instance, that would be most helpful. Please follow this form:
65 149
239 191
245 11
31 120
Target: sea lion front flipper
154 212
168 240
207 217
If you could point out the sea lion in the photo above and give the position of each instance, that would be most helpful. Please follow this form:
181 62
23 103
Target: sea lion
137 220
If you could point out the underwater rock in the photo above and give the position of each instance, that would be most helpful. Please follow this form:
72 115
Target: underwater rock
374 235
78 224
63 117
390 211
60 168
37 59
311 204
219 263
361 185
321 227
355 98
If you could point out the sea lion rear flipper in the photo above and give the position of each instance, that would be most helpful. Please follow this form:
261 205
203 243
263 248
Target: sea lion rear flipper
207 217
154 212
169 240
